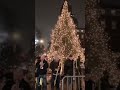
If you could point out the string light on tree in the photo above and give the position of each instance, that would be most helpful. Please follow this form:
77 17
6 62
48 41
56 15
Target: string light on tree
64 39
98 55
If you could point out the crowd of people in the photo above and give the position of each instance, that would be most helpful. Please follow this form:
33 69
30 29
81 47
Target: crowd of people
58 72
42 66
14 79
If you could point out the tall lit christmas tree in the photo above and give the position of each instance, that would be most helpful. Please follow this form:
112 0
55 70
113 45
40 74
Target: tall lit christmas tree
64 38
99 57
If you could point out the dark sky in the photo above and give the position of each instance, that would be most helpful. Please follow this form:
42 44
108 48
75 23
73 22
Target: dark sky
47 12
17 16
110 3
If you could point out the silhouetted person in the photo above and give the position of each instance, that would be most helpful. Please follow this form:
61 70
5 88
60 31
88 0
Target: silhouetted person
105 81
54 66
89 85
41 72
118 87
68 70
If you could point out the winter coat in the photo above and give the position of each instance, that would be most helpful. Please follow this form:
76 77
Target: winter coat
68 67
42 71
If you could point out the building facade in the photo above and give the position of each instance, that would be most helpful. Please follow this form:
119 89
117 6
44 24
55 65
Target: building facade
110 19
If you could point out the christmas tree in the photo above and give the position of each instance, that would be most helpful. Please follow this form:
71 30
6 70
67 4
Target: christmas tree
99 57
64 38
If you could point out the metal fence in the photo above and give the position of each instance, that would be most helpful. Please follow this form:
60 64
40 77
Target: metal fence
73 83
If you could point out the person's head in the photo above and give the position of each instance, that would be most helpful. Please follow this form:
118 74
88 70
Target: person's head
46 57
38 57
42 57
70 57
78 57
56 58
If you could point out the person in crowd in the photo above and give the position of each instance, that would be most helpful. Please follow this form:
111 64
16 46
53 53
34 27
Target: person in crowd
68 66
77 64
90 85
118 87
18 83
80 66
41 72
2 82
105 85
68 69
9 80
78 72
55 67
46 58
37 61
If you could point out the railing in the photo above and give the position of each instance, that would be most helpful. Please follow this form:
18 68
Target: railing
73 83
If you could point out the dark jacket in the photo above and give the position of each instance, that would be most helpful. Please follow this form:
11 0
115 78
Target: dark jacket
9 81
24 85
118 87
68 67
40 71
89 85
105 83
54 65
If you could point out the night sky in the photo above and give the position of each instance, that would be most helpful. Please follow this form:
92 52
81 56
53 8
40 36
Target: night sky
20 16
47 12
17 17
110 3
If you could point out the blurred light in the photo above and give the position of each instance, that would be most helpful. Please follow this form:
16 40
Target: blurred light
3 36
82 31
16 35
45 54
41 41
36 41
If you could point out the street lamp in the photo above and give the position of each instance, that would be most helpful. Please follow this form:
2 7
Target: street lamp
39 46
36 41
41 41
